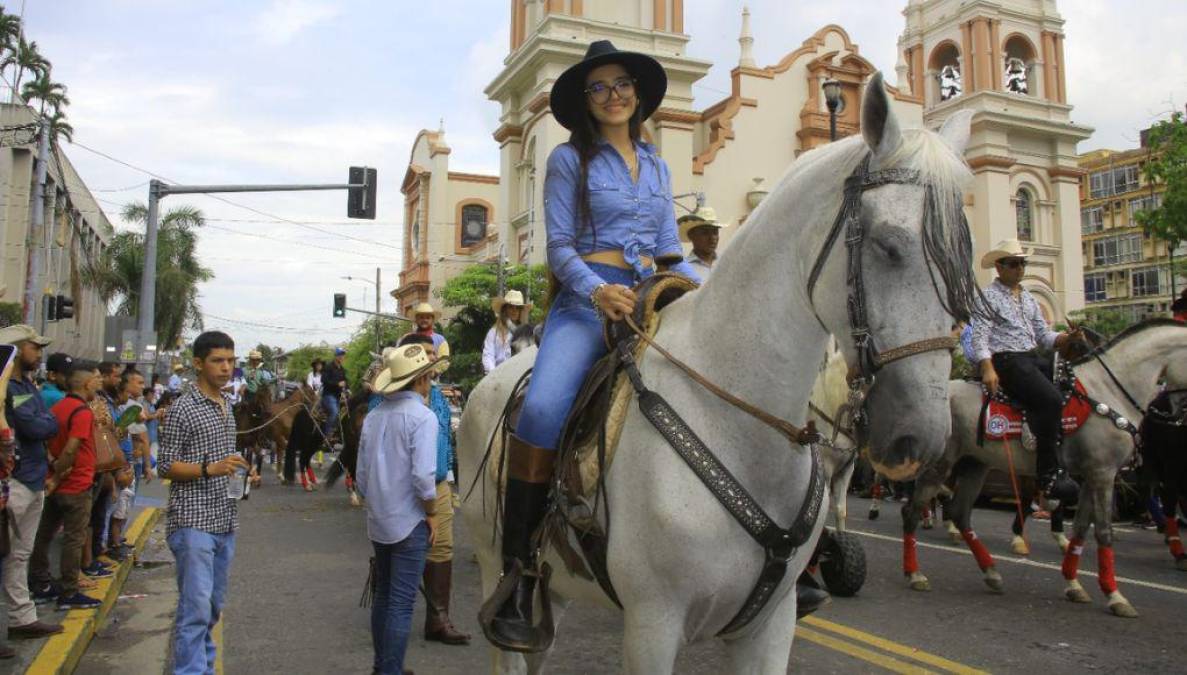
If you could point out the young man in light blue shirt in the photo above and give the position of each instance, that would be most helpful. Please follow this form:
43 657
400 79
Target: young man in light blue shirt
396 474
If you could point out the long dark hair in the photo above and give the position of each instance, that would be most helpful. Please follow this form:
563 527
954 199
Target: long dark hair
584 138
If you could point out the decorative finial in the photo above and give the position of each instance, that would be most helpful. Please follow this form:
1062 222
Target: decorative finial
903 82
746 39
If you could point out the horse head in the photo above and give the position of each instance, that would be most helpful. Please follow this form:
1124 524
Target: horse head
525 335
904 259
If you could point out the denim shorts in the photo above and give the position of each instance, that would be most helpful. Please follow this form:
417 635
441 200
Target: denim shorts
572 343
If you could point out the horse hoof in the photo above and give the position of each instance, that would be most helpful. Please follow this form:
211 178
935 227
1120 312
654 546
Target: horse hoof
918 582
1019 546
955 539
1181 564
354 499
1076 593
874 514
993 579
928 524
1119 606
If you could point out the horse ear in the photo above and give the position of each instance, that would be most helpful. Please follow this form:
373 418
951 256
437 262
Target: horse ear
879 125
955 131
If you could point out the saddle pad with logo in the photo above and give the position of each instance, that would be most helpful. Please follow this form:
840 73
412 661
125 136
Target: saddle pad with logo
1004 420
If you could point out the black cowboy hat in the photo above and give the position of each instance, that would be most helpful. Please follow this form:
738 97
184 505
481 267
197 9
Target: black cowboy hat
568 93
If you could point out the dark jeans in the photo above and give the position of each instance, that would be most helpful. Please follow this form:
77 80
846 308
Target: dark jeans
398 568
1026 377
99 514
72 512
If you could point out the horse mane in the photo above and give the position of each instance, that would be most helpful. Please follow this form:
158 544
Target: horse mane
1128 332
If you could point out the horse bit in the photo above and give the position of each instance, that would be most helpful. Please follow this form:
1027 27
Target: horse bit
869 358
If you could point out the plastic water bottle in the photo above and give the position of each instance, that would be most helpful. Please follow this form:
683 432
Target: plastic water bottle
236 484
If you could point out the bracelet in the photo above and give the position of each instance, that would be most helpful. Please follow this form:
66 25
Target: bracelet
593 300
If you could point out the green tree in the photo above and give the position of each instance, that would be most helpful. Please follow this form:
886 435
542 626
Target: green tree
116 273
1167 165
51 95
11 314
23 57
360 351
471 292
299 359
1107 322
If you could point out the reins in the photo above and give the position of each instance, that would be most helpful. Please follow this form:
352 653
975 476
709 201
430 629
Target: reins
270 421
791 432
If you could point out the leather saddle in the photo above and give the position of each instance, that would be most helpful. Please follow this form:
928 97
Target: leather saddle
1003 417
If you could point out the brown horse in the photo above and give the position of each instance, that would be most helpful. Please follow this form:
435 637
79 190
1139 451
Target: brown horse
262 422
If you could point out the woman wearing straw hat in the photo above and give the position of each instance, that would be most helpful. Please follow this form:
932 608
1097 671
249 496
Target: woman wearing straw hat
510 310
608 215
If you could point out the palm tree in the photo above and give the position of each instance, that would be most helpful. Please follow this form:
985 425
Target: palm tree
51 94
24 57
59 128
116 274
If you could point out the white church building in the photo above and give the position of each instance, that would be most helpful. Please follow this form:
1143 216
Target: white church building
1003 59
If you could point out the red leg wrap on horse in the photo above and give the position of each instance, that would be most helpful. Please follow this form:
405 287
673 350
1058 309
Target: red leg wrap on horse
984 560
1071 559
1104 563
1173 538
910 562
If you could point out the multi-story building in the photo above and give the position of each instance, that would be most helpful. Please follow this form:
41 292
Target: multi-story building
75 231
1002 59
1124 270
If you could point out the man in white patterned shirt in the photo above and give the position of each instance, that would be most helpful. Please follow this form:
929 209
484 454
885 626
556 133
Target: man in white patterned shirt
198 455
1005 346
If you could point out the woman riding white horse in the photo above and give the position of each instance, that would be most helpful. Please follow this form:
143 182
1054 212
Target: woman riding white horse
681 564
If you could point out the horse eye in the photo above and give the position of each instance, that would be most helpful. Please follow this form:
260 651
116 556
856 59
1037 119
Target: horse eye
891 251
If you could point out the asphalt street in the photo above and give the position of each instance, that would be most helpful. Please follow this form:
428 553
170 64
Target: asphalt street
301 562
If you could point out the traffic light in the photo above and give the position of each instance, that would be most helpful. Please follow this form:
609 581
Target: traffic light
360 202
65 308
339 305
50 304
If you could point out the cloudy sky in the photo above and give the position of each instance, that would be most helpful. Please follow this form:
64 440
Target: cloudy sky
284 91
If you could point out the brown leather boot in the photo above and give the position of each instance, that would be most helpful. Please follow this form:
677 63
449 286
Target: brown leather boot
438 579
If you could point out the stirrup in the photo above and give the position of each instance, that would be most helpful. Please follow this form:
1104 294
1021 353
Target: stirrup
542 634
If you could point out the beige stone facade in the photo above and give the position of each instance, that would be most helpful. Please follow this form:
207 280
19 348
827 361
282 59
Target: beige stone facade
1124 270
449 220
77 230
1023 147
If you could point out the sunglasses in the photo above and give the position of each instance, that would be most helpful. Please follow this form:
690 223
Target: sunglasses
1013 264
599 92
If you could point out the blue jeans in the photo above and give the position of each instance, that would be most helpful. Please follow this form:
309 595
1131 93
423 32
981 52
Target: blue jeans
398 568
571 344
203 562
330 403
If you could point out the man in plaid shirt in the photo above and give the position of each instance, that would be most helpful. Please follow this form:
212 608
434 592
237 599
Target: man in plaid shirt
197 455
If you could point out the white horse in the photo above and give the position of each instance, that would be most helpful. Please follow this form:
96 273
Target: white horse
1138 357
681 565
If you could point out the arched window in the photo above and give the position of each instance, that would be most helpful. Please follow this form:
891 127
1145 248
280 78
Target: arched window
474 221
945 64
1024 210
1019 73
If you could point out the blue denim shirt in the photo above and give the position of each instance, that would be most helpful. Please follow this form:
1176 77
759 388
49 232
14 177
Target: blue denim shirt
440 408
32 424
636 218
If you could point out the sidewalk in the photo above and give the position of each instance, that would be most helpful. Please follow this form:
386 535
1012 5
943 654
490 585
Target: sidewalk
61 653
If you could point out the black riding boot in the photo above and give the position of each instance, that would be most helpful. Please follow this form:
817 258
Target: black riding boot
528 478
809 596
1053 481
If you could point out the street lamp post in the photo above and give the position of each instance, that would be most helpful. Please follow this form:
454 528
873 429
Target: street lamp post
378 325
832 98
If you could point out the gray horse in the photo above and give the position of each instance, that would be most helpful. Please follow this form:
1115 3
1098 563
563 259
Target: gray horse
1126 369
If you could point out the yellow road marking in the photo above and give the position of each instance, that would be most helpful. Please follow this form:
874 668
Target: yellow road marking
892 647
869 656
217 634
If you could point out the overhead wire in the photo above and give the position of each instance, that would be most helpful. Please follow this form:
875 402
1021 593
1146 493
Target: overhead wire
232 202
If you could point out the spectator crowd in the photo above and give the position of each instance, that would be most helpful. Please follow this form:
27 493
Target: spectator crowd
77 438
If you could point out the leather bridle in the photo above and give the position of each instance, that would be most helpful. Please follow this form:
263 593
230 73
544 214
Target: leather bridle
869 358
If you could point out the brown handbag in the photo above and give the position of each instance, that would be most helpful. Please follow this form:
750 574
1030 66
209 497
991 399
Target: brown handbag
108 455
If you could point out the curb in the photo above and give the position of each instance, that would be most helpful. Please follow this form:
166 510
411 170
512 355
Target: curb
61 653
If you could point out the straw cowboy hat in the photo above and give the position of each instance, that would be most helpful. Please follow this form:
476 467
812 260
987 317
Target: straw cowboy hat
701 217
568 99
1006 248
177 367
422 308
22 333
402 365
513 298
255 355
